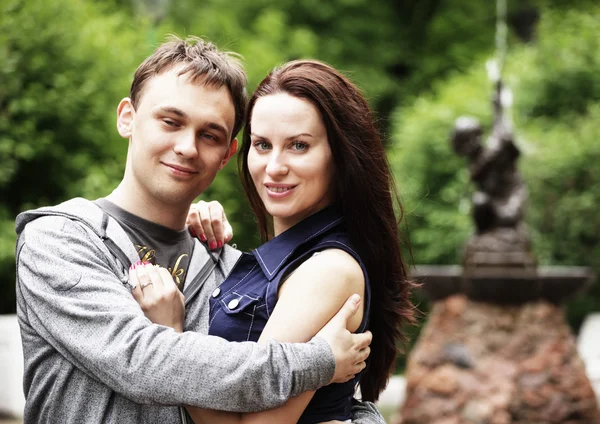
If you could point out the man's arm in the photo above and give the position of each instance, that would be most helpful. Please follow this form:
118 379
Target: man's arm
78 305
298 315
366 413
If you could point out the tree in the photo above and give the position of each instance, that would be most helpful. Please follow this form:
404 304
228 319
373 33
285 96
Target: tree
60 87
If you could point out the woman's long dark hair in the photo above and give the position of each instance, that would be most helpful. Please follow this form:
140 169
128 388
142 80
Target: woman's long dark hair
366 192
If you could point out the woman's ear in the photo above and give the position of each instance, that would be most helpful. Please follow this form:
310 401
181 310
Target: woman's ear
125 113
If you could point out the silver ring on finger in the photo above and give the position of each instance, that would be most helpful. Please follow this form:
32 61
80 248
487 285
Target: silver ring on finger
145 284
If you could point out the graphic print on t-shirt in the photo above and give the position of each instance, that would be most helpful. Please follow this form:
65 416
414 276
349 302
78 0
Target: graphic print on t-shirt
155 243
147 254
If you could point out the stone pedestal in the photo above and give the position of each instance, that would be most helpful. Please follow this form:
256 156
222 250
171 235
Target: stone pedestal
481 363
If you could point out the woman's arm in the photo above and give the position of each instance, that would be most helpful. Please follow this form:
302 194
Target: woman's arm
308 299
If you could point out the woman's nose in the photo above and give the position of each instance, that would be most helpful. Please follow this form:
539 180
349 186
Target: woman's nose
277 164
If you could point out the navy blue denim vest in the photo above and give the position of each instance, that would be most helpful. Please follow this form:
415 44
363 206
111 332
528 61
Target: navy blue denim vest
241 306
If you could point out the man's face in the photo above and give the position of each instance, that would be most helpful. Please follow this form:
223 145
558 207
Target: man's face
179 137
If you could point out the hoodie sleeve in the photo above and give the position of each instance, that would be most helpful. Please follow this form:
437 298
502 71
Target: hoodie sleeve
366 413
75 301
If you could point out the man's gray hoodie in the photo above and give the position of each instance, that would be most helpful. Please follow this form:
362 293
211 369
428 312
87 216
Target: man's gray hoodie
91 356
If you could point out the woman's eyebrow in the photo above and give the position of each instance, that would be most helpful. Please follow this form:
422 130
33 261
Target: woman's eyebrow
299 135
287 138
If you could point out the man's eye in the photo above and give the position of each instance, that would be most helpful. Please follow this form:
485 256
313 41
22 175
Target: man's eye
170 123
209 136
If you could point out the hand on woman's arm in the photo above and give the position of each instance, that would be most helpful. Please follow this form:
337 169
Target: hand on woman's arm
308 299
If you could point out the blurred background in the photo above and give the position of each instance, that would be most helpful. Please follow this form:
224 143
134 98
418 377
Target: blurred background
64 66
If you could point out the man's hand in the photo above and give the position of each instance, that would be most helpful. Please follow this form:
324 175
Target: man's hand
207 221
158 295
350 350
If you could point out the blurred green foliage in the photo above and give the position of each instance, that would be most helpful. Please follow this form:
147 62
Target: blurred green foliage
560 114
556 88
61 71
64 67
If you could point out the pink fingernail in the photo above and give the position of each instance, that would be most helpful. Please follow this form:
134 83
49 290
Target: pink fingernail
219 243
192 232
212 245
202 237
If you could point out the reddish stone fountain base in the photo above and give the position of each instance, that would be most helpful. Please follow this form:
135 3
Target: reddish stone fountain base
481 363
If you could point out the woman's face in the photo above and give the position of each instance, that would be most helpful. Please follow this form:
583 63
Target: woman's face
290 159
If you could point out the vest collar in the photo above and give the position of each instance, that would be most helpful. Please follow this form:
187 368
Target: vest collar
272 255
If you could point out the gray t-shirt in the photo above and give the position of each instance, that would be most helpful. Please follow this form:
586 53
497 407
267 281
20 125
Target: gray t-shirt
154 243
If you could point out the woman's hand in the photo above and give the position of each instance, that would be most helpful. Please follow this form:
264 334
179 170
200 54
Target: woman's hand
157 294
207 221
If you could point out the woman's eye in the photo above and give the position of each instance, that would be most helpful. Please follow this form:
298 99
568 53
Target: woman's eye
261 145
299 146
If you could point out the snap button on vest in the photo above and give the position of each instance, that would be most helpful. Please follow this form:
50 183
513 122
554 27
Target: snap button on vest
233 303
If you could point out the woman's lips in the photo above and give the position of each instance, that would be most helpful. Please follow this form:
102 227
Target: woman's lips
279 191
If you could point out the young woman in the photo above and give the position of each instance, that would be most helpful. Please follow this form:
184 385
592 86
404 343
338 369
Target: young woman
315 172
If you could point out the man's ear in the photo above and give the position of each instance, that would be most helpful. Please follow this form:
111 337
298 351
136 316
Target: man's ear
230 152
125 113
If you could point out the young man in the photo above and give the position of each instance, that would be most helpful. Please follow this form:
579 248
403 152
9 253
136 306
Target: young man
91 355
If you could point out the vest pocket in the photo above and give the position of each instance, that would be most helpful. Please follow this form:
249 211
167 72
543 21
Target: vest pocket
240 310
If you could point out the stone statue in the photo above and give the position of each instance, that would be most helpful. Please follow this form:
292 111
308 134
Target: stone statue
496 347
500 196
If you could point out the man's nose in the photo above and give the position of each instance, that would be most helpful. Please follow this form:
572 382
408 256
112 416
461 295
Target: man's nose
186 146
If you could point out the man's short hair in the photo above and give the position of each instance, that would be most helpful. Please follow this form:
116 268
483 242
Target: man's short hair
202 61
